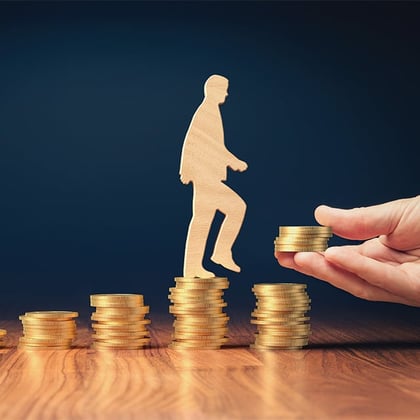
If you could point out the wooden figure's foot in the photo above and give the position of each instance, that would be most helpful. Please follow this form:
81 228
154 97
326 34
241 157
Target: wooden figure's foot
200 272
226 261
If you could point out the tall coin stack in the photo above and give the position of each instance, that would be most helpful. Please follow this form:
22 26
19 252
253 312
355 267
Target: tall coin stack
2 335
280 316
197 304
302 238
53 330
119 321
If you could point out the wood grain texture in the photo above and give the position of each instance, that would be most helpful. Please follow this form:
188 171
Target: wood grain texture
352 369
204 163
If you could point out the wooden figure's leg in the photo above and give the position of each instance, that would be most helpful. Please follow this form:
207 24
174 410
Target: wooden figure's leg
198 231
234 208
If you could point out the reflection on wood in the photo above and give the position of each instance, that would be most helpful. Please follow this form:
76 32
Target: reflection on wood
353 369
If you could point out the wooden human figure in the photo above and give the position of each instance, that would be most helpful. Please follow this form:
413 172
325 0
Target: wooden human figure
204 162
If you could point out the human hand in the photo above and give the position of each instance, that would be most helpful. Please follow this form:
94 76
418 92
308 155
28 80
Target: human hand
386 267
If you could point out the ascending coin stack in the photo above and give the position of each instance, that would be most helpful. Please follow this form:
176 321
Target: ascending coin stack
54 330
302 238
280 316
197 304
119 321
2 335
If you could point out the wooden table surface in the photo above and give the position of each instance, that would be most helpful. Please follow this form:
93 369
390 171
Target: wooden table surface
353 369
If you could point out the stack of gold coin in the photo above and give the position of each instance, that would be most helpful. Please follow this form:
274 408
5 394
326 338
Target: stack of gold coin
2 335
302 238
48 330
280 316
197 304
119 321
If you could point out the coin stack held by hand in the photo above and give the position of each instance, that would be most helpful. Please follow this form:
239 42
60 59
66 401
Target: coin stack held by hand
280 316
197 304
302 238
2 336
53 330
119 321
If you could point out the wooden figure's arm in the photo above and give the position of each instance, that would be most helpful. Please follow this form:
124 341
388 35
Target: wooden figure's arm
235 163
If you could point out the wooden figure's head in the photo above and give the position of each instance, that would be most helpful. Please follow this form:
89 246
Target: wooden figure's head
215 88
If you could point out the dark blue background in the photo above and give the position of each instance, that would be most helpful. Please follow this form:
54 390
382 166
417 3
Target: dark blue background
95 100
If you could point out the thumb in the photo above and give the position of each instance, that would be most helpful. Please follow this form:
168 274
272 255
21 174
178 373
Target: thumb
361 223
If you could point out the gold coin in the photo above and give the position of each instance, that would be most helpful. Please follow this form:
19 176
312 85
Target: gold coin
120 341
190 311
284 300
293 229
218 328
184 299
284 330
195 299
300 240
105 335
312 244
280 315
213 329
38 348
116 300
217 281
49 327
37 334
195 292
121 323
117 320
280 312
282 308
51 315
291 340
197 345
278 286
280 295
200 279
201 287
119 330
198 305
130 310
202 318
45 341
285 309
294 248
182 336
260 347
47 322
268 321
59 326
281 323
283 327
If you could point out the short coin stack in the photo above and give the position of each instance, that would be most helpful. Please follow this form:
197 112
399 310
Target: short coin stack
119 321
2 335
280 316
302 238
53 330
197 304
